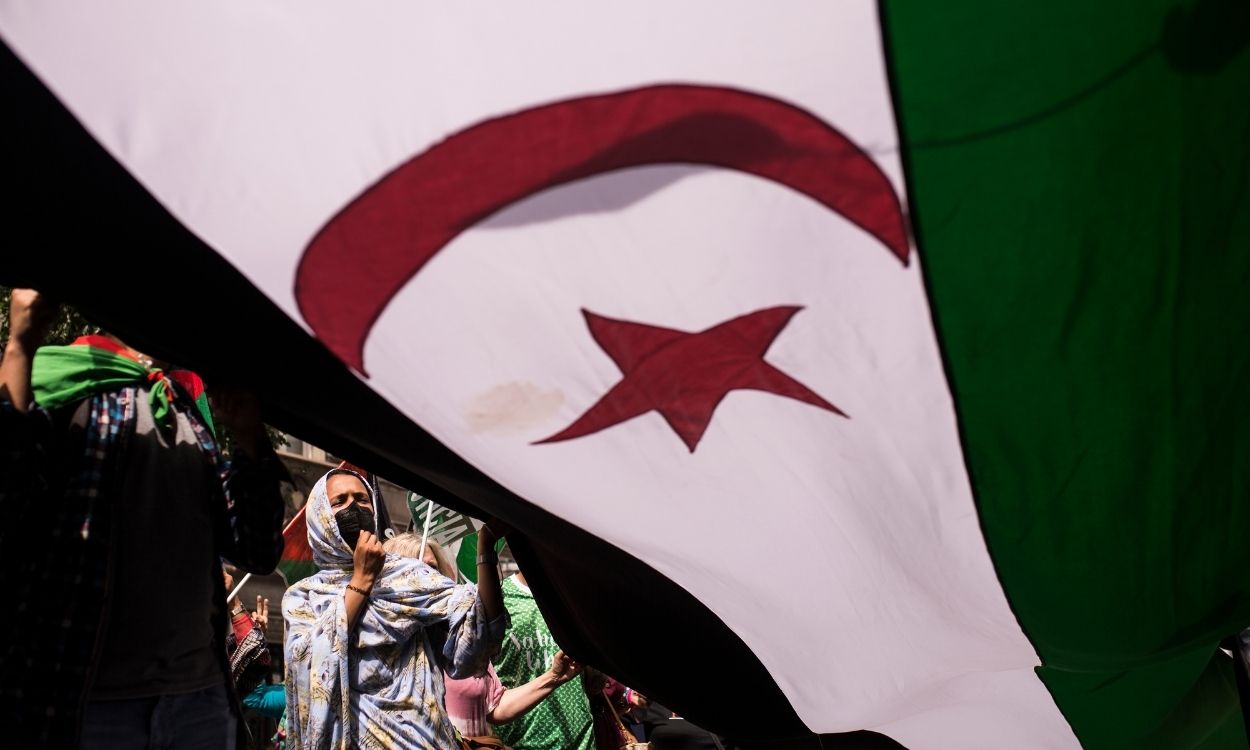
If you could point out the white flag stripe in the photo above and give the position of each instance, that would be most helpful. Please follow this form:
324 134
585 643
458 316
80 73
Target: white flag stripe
255 124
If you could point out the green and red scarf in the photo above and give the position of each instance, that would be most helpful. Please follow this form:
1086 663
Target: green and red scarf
92 365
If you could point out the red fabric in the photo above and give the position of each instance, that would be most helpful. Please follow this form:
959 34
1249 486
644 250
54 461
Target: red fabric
386 235
190 383
684 376
105 343
614 691
243 624
295 540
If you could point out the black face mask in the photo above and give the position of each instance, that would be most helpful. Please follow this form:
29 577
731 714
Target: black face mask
352 521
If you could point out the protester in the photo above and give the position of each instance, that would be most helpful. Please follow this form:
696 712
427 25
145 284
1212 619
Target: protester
117 506
561 722
409 544
361 665
476 703
250 662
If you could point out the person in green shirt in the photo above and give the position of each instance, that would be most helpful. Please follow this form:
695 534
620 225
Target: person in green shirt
563 721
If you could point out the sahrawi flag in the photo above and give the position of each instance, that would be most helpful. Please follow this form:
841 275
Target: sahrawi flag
894 358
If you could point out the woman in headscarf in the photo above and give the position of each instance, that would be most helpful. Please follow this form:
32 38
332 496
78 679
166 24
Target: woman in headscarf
369 636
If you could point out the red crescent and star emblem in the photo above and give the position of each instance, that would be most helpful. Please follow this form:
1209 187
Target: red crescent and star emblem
684 376
384 237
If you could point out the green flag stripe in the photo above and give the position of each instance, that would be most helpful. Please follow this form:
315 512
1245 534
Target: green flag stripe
294 571
1079 180
466 558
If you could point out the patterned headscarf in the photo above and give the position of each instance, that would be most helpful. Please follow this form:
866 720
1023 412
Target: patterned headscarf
332 551
381 684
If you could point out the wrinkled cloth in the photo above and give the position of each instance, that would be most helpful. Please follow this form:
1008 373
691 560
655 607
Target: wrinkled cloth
381 684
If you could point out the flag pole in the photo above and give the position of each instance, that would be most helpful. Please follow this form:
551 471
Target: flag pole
425 532
239 586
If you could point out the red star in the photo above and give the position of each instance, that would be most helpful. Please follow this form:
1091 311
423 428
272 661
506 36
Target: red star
684 375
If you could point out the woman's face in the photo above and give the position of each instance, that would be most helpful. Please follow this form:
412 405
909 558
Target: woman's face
429 559
344 490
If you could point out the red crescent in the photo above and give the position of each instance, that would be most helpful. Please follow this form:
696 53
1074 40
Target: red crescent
370 249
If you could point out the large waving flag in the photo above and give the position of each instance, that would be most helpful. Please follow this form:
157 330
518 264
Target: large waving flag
949 299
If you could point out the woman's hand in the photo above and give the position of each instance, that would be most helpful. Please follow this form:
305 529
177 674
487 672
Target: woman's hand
516 701
30 316
261 615
563 669
367 561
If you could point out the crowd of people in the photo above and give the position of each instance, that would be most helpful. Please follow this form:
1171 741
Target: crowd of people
120 509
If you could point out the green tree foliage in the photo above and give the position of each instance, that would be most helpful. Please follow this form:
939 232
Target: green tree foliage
69 323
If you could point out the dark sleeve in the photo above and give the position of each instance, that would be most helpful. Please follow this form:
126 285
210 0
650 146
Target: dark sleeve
254 509
25 448
27 452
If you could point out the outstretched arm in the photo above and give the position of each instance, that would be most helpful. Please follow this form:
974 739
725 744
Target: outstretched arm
516 701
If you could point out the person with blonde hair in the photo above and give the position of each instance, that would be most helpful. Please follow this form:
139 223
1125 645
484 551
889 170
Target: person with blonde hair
476 703
408 544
